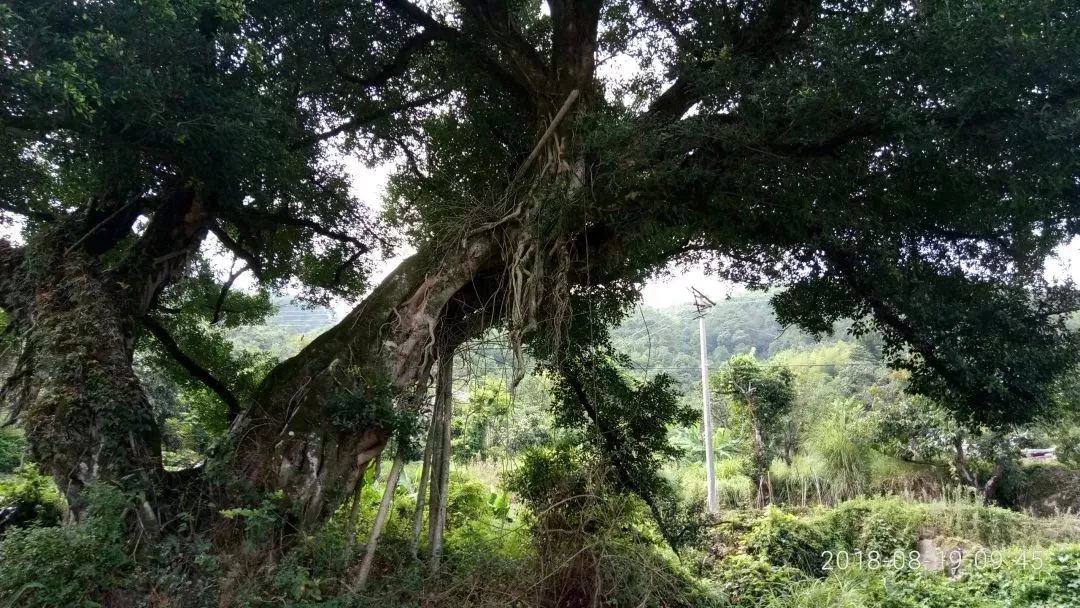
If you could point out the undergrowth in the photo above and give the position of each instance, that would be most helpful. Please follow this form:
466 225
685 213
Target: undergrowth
572 540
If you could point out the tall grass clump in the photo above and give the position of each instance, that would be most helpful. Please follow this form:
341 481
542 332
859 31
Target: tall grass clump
798 483
843 460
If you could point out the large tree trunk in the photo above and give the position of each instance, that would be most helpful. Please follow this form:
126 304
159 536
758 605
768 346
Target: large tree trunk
86 417
73 387
296 438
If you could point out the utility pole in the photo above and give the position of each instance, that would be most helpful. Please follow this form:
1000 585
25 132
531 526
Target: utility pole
702 304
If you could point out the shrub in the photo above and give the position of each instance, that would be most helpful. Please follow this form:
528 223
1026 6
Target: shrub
29 498
591 540
785 540
12 449
990 526
745 580
546 474
468 500
67 566
882 525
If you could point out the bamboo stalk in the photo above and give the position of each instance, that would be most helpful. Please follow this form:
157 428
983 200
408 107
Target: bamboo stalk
425 473
380 519
354 509
440 457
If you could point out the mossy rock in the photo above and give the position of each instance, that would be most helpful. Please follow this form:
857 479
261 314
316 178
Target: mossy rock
1044 489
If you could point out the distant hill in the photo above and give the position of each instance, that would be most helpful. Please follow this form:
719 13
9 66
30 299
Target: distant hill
288 330
666 339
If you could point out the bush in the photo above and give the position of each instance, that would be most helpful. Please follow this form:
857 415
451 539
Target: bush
745 580
882 525
785 540
591 541
67 566
1023 583
1054 583
29 498
12 449
887 524
468 500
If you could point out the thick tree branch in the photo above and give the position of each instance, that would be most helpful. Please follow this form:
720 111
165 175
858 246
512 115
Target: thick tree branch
395 68
176 228
224 293
253 262
281 218
773 28
522 86
192 367
652 10
358 121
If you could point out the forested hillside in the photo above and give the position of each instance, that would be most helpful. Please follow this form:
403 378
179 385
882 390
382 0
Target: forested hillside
666 340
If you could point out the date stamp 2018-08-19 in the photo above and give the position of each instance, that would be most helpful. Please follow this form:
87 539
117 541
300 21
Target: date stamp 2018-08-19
937 560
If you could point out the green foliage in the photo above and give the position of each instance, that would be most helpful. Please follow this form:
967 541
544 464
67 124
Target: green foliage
1030 564
914 428
260 522
762 398
841 447
761 395
1017 583
592 539
54 567
12 449
744 580
547 473
371 405
785 540
468 500
31 498
482 422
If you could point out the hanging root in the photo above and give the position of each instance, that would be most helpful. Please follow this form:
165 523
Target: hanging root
417 326
538 290
535 235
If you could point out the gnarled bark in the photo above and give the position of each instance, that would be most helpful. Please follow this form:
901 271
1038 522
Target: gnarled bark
288 439
86 416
